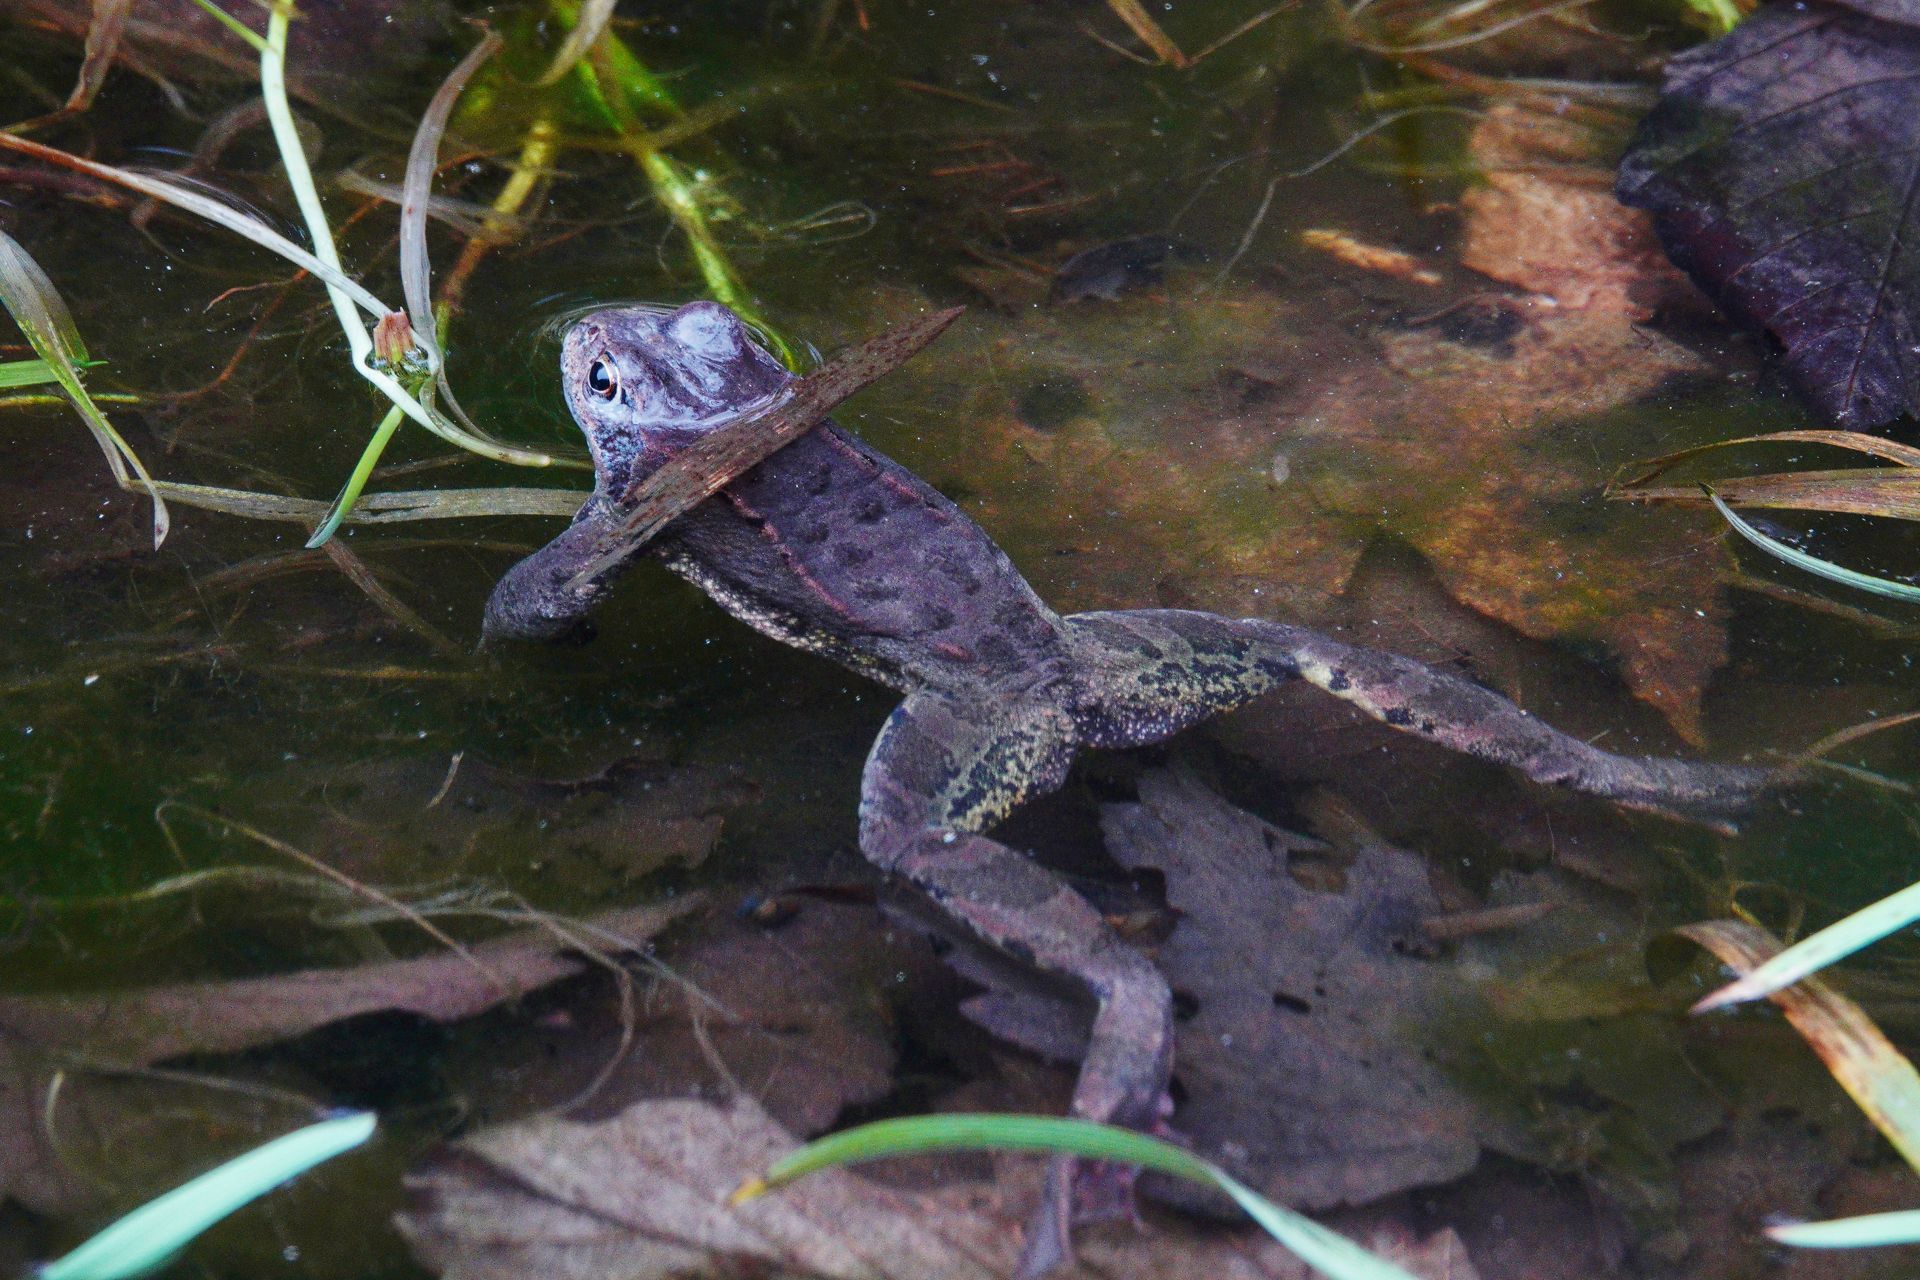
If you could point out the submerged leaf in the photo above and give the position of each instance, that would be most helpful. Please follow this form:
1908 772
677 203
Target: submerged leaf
1781 171
39 1034
643 1196
1301 1057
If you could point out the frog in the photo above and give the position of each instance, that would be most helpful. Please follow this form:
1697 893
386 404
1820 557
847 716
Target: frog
831 547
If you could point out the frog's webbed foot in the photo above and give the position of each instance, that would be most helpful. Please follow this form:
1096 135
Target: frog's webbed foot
1151 672
942 772
534 600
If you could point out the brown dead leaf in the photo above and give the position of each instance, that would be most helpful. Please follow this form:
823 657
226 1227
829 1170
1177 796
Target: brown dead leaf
1545 220
801 1016
643 1195
1240 451
1303 1057
1303 1061
42 1035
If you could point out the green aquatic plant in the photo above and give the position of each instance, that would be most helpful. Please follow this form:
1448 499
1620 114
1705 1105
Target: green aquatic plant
1879 1078
36 306
1327 1251
409 371
151 1235
1818 950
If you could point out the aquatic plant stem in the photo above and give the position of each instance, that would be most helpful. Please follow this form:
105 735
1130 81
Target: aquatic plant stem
362 471
273 91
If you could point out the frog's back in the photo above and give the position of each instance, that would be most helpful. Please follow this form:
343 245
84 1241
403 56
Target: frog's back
832 546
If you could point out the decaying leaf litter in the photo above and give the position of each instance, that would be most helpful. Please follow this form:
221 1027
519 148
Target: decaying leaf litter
1194 502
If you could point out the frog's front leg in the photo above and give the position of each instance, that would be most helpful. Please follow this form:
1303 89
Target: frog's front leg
942 772
536 600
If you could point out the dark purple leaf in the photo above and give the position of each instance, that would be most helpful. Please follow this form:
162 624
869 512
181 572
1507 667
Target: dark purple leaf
1783 172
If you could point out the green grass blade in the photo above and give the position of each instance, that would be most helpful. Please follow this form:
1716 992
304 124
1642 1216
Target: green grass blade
1722 15
1327 1251
26 373
153 1233
33 373
362 470
1851 1233
1814 564
1815 952
416 272
589 21
234 24
36 306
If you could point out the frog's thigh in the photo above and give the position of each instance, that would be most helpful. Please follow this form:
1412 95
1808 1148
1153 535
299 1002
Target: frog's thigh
1146 674
940 773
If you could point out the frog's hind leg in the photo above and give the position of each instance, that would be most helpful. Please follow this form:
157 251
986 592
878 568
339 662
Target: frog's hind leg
1149 673
944 771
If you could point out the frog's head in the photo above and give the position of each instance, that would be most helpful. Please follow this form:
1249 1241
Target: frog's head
643 384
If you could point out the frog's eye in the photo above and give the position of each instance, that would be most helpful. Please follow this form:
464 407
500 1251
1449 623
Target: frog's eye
600 379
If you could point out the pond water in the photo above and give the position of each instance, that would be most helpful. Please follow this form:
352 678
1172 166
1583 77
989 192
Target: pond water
1380 385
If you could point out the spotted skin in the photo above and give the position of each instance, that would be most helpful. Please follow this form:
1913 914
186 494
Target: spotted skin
831 547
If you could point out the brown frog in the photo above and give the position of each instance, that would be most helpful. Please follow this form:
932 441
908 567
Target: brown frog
832 547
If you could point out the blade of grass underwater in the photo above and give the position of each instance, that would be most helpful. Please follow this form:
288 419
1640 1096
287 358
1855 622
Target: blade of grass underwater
103 42
362 470
1325 1250
36 306
1149 32
153 1233
1855 441
1860 1057
1890 492
293 159
393 507
26 373
587 26
1851 1233
1813 564
416 274
214 211
1816 951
